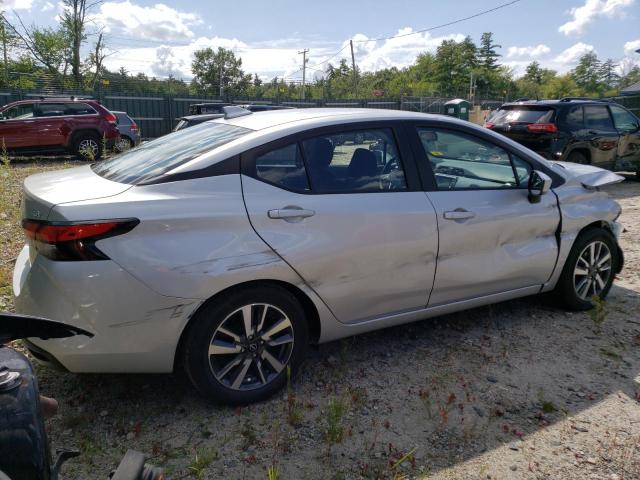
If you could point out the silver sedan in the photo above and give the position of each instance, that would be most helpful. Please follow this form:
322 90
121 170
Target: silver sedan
230 246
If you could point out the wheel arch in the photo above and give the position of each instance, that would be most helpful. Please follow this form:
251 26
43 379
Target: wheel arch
584 151
310 310
82 131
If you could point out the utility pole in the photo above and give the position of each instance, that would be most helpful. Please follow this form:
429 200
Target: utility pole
353 67
4 50
220 77
304 69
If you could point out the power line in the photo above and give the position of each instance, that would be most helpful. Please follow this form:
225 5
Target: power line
475 15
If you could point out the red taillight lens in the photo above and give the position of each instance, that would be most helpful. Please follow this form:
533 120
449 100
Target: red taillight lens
134 126
488 125
73 241
111 118
542 127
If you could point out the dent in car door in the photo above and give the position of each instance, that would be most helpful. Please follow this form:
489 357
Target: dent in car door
492 239
365 254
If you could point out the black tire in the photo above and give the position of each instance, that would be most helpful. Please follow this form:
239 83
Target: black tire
80 143
578 157
198 362
565 290
128 141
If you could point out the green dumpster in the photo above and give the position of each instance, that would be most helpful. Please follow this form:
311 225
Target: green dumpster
458 108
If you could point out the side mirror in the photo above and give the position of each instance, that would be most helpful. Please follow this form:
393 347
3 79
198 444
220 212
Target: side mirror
539 184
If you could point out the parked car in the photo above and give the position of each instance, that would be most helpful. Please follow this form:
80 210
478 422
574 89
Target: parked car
51 125
264 108
202 108
191 120
230 246
129 131
587 131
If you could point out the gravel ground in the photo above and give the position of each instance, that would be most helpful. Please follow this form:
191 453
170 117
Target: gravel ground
516 390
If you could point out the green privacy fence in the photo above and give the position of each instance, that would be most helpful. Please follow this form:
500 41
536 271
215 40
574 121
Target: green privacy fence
157 114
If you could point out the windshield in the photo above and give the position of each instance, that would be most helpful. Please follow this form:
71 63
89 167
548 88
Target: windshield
152 159
522 114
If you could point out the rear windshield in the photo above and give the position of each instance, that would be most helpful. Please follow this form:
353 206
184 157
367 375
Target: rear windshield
523 114
152 159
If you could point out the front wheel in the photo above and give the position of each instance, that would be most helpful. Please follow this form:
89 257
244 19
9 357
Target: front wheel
240 349
589 269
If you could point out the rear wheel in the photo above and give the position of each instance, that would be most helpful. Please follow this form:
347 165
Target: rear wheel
124 144
239 350
87 146
578 157
589 270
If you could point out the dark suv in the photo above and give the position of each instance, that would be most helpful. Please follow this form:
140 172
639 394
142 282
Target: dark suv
77 126
577 130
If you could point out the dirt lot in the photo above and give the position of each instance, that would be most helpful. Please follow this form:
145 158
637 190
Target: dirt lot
516 390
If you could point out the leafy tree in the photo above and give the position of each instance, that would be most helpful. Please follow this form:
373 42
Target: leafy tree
219 70
587 74
560 86
608 74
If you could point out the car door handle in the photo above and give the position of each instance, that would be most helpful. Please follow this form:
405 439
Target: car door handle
458 215
285 213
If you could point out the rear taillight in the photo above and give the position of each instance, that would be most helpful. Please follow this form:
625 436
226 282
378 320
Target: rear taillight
542 127
134 126
488 125
73 241
111 118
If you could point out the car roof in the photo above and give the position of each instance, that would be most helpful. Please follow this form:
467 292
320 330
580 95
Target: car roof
317 117
53 100
202 117
556 103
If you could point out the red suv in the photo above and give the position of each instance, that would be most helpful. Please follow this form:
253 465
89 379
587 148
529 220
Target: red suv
78 126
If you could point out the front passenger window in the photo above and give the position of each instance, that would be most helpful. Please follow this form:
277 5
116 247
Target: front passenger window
461 162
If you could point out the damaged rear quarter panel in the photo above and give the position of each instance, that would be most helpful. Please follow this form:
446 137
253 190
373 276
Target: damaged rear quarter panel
194 238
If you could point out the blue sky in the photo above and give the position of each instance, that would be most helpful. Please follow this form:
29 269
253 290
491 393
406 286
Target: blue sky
159 38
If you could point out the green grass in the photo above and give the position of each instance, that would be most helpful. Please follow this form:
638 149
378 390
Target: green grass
334 420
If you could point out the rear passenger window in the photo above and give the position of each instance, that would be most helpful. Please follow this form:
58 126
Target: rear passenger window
78 109
575 117
354 161
597 117
50 110
283 167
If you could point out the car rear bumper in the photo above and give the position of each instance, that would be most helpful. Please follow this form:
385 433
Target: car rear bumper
135 329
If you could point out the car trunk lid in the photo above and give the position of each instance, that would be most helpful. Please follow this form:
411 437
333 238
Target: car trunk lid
45 190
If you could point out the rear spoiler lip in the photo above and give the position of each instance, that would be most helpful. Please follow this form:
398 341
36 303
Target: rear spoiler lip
595 180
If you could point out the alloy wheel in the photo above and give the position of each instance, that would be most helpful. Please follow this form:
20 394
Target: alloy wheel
88 145
251 346
592 270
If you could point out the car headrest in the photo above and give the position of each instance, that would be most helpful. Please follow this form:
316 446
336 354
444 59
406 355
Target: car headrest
363 164
319 152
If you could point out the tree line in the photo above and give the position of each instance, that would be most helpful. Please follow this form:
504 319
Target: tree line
37 57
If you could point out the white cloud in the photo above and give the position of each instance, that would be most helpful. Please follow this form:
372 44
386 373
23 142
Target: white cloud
157 22
571 55
47 6
396 52
590 11
630 48
537 51
16 4
280 57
